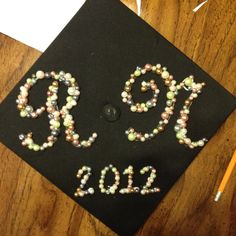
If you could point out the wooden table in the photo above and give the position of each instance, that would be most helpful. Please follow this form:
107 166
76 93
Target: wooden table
30 205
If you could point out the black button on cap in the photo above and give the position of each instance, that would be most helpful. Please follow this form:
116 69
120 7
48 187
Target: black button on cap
111 113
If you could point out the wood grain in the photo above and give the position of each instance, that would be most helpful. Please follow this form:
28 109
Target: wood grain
31 205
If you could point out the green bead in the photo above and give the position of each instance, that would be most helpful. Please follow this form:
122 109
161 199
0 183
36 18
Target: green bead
188 82
143 105
131 136
56 124
29 81
66 123
36 147
179 135
23 113
154 68
183 131
137 73
56 76
170 95
31 146
69 99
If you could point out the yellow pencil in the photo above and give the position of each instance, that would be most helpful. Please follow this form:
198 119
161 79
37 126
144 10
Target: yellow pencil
226 177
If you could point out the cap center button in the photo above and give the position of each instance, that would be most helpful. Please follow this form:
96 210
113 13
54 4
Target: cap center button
111 113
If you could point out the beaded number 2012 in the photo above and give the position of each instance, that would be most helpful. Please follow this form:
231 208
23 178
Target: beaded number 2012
110 190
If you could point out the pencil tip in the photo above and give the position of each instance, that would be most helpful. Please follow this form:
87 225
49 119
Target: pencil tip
217 197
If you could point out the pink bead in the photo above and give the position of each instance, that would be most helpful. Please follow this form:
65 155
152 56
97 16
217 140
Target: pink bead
187 102
154 87
164 115
187 141
184 117
56 113
24 100
49 109
180 121
34 115
75 142
24 94
50 138
154 100
148 67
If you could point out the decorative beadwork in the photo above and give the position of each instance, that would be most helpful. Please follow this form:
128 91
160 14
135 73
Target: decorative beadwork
181 124
110 189
129 189
79 191
146 188
166 114
54 114
172 91
127 96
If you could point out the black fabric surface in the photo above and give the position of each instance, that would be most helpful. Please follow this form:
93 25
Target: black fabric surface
100 47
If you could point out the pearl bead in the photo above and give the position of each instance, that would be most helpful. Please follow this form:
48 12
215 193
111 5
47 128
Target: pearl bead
124 94
184 117
131 136
91 191
39 74
67 76
179 135
142 139
148 67
165 74
23 113
36 147
170 95
133 108
188 81
21 137
71 91
176 128
137 73
164 115
200 143
187 141
172 88
155 131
